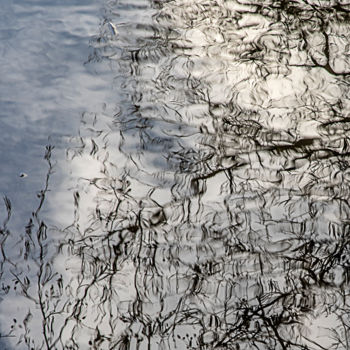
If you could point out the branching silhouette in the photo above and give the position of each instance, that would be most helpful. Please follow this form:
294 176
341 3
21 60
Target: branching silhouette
218 217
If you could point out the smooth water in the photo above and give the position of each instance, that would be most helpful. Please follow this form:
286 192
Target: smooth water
194 190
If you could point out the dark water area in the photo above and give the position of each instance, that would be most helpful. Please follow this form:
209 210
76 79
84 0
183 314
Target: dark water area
194 189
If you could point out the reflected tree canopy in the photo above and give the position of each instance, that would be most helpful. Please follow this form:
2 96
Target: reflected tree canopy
217 212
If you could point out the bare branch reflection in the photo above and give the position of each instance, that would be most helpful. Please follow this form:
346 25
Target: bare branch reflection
216 215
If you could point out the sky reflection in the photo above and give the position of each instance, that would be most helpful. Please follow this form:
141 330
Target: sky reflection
196 197
45 85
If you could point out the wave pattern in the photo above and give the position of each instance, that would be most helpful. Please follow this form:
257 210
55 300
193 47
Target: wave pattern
218 216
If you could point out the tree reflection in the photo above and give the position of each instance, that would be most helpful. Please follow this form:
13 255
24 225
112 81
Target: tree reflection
217 217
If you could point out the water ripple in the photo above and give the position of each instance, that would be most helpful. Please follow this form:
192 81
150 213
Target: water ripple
217 214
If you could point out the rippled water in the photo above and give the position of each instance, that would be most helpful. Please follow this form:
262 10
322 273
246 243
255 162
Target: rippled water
203 204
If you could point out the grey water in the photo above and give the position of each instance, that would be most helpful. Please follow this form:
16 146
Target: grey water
175 174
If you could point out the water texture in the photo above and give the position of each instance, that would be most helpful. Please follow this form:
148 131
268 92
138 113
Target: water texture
206 206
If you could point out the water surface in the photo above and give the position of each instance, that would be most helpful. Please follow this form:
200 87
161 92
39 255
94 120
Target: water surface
205 205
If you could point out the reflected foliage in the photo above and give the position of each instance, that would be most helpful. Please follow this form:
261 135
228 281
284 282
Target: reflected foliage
218 215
